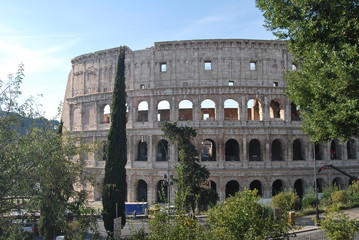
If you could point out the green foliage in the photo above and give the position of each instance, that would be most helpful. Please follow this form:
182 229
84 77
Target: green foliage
286 201
242 217
39 167
353 193
309 199
326 199
114 186
190 175
163 226
339 197
323 36
337 225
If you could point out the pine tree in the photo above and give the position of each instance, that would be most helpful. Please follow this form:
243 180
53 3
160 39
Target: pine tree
114 188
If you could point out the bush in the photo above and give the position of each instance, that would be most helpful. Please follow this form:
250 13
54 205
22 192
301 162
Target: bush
339 197
286 201
242 217
326 199
353 193
338 226
309 200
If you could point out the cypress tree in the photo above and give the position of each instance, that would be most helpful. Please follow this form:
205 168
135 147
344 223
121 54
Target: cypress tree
114 187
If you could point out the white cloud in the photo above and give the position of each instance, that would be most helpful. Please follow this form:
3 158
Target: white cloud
37 59
210 20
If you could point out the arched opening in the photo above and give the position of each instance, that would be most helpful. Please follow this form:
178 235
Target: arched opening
319 151
142 112
208 110
231 188
142 151
320 185
298 187
231 110
231 150
256 184
106 113
162 191
294 112
351 150
277 187
277 150
297 150
162 150
163 111
208 150
335 150
337 182
254 150
185 111
213 185
142 191
254 110
275 110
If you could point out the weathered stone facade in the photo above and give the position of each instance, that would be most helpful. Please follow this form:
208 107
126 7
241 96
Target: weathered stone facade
231 91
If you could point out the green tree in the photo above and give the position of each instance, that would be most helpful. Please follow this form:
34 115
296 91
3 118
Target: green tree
242 217
337 225
323 37
190 175
37 164
114 188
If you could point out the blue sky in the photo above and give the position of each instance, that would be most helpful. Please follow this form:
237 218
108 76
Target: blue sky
45 35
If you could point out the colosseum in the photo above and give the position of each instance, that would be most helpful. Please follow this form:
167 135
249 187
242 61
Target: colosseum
231 91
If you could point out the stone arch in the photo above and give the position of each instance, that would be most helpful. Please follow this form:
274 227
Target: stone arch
209 151
162 150
319 151
208 110
254 150
277 187
254 110
213 185
320 184
256 184
185 110
231 150
231 188
142 151
163 111
276 110
338 182
231 110
142 111
76 117
298 150
106 114
294 112
162 191
276 150
299 188
141 191
351 149
335 150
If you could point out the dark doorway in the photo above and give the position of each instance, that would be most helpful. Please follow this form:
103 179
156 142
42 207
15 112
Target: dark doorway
142 191
231 188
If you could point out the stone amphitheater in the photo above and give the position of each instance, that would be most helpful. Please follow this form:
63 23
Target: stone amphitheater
232 91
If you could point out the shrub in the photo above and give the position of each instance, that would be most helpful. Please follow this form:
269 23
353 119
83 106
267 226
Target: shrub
242 217
353 193
286 201
339 197
338 226
326 199
309 199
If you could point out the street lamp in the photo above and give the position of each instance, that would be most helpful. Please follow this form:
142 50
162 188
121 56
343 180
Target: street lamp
317 218
167 176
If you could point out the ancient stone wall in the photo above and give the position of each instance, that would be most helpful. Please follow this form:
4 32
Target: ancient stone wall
230 90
